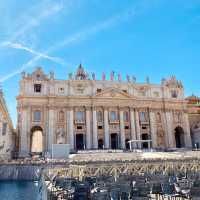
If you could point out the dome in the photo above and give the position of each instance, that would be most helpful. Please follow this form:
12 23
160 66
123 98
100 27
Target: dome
81 74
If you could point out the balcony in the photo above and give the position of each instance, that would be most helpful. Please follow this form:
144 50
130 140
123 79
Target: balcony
79 121
114 121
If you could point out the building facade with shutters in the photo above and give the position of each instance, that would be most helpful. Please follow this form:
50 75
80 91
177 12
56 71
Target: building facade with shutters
7 136
99 114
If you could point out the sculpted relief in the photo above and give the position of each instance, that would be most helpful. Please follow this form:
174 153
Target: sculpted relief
60 136
160 138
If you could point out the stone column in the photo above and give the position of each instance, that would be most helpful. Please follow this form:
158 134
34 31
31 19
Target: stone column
132 120
70 114
88 129
169 130
23 152
95 132
187 138
106 129
122 131
51 129
138 131
153 129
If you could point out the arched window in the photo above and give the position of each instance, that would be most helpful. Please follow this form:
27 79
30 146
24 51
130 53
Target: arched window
37 116
61 116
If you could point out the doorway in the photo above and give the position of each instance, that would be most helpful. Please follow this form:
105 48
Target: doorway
114 141
145 144
100 144
179 137
80 142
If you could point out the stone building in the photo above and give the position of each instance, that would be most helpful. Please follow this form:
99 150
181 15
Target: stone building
7 136
194 119
95 114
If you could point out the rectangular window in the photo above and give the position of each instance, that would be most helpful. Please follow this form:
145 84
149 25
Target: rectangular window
143 117
126 116
79 127
4 129
37 88
100 127
126 127
98 90
37 116
80 117
113 116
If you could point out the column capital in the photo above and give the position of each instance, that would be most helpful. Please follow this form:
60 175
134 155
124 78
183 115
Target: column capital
88 108
122 108
94 108
51 107
131 109
152 110
69 108
106 108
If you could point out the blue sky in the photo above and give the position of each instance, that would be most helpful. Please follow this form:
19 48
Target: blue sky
158 38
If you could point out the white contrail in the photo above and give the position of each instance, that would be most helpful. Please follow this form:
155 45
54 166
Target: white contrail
49 10
115 20
43 55
22 68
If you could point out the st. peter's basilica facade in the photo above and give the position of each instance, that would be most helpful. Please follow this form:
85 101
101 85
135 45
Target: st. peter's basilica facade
99 114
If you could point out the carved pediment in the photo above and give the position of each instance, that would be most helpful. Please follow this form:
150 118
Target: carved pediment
38 75
113 93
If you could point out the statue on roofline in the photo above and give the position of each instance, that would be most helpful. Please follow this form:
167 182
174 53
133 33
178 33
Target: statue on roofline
147 80
103 76
128 78
112 74
133 79
93 77
51 75
119 78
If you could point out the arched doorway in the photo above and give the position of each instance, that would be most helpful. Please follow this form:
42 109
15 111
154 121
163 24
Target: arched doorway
179 137
114 141
36 143
100 144
80 144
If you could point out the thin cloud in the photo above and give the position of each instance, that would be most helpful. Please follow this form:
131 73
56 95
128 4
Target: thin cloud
110 22
77 37
42 55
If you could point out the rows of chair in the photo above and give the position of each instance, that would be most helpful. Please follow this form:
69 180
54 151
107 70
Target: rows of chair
127 187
